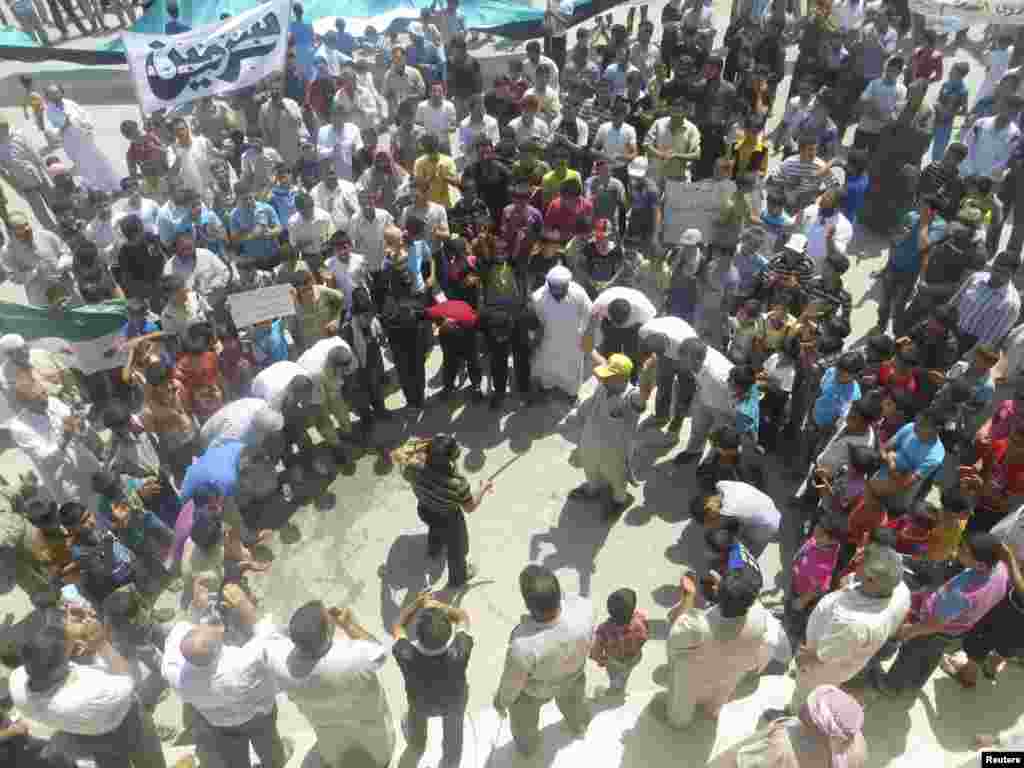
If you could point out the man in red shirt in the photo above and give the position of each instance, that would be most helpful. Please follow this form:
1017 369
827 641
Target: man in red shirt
143 148
457 322
567 208
926 63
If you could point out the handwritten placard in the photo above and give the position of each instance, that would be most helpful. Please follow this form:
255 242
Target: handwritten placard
255 306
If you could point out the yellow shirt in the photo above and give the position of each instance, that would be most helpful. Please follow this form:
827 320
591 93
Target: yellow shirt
437 170
944 539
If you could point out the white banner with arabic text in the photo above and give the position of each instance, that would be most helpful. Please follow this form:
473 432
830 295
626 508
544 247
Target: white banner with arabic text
1008 12
209 60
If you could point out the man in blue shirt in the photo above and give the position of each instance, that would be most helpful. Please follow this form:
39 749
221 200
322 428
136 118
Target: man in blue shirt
837 392
911 456
302 36
254 229
428 58
343 41
907 252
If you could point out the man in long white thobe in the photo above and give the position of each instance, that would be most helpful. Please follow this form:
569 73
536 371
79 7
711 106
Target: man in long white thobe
66 121
563 310
610 420
850 625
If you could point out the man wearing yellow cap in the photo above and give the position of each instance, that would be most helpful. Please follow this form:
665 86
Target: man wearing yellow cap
610 419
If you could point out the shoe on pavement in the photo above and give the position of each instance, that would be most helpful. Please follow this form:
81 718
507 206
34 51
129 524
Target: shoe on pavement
583 493
686 457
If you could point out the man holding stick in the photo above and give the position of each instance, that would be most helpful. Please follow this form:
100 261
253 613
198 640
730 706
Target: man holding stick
444 499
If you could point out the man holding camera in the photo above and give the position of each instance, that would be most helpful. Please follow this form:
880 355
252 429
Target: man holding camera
231 687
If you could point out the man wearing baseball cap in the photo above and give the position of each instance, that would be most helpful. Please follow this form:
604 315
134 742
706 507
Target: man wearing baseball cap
606 445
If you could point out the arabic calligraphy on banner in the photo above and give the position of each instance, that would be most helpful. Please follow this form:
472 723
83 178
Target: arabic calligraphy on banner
210 60
973 11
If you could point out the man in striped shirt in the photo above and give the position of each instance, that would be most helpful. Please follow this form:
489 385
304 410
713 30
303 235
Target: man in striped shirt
803 174
942 180
827 291
788 273
444 499
988 303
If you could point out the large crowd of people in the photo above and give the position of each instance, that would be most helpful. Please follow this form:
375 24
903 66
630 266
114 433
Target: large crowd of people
610 208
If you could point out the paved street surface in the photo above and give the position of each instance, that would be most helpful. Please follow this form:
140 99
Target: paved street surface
362 545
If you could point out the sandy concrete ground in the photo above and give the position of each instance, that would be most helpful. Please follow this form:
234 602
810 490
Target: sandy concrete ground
362 545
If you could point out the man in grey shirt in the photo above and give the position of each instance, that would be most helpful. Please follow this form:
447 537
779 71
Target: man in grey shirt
547 657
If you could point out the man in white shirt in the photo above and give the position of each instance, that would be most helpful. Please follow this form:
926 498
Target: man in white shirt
477 123
529 125
714 406
616 139
366 229
147 210
335 196
743 504
849 626
402 82
249 419
662 337
281 123
438 118
644 54
339 142
309 230
533 59
96 710
192 157
203 271
328 664
231 688
710 650
347 268
828 231
991 142
619 311
546 659
673 137
101 231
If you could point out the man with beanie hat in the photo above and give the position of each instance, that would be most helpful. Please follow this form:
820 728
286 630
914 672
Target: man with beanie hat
849 626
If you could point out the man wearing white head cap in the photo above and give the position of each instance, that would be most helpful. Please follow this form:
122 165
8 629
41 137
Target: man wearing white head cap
33 258
65 120
563 311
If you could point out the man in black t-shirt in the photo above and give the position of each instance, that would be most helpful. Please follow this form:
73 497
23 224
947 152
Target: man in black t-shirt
433 664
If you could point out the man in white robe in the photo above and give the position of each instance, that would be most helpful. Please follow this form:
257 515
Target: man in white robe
610 418
64 120
563 311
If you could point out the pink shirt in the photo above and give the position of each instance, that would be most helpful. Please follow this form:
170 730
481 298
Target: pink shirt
813 566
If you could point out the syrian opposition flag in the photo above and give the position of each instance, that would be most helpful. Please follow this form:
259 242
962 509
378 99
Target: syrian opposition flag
88 338
210 60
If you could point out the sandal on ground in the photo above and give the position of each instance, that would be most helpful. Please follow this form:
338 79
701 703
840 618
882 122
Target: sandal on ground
993 668
957 673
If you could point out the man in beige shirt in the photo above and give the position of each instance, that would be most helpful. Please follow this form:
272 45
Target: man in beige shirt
547 657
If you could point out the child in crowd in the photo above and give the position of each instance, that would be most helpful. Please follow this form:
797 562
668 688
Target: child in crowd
779 376
775 219
950 104
198 370
856 184
898 408
184 307
747 333
619 641
900 374
812 570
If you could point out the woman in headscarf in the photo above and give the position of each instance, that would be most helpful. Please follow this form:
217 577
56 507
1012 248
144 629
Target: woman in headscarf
826 733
